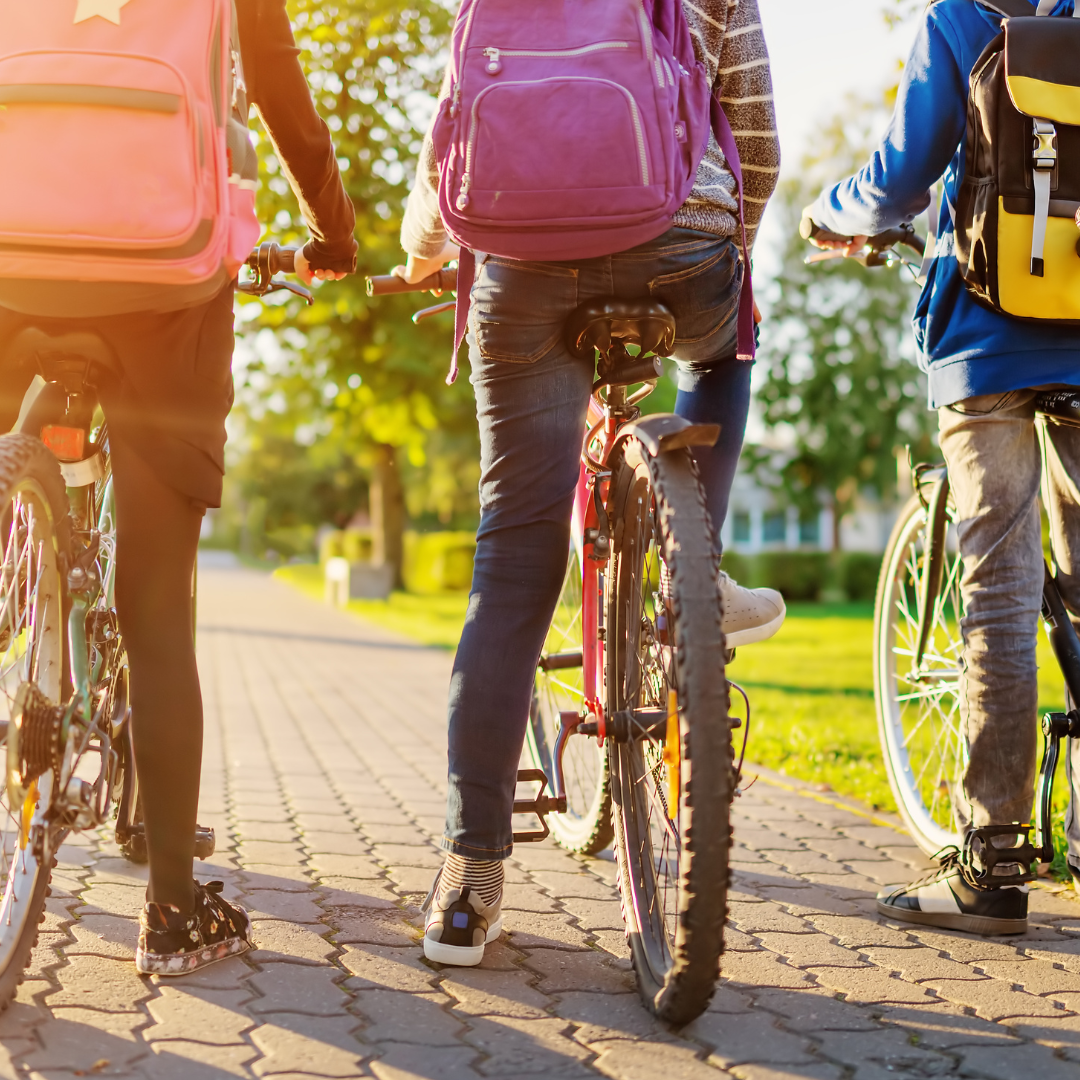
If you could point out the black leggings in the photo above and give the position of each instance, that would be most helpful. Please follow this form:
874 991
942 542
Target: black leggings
157 541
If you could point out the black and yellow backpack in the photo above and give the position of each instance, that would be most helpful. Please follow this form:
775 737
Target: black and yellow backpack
1016 221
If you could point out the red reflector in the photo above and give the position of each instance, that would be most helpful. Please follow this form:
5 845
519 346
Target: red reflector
65 442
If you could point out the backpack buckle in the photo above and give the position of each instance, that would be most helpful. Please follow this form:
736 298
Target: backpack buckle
1044 153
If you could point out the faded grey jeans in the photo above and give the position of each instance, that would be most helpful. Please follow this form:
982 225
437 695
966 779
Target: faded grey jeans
999 457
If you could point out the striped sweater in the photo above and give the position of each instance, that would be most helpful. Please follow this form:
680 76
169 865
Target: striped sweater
728 39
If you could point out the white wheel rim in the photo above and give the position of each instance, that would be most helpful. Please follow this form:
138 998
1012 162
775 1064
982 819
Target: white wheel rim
30 649
920 718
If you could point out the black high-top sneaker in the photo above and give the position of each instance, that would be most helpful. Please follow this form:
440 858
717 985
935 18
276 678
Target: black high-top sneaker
171 943
950 898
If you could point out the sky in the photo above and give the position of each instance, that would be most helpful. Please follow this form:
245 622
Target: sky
821 49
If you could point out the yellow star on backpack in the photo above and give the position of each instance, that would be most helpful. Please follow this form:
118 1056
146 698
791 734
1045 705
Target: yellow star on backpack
105 9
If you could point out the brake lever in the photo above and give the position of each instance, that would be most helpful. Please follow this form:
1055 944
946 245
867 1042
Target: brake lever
258 288
436 309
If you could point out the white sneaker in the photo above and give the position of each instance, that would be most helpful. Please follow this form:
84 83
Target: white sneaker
749 615
459 924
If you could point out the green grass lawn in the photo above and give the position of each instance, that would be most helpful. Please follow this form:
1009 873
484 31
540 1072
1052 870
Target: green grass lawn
811 687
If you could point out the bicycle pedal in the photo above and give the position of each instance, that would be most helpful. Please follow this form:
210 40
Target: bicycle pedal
541 805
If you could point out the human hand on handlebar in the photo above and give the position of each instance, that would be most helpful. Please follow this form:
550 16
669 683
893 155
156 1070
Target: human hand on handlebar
416 269
305 273
821 238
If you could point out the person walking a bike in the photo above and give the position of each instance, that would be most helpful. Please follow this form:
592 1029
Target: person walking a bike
532 393
168 395
991 331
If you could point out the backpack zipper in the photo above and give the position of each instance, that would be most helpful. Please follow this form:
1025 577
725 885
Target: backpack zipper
494 55
646 34
455 101
466 177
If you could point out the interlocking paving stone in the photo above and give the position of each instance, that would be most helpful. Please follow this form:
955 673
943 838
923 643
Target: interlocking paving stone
325 780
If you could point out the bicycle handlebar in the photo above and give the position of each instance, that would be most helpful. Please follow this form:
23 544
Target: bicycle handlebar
904 234
278 260
385 284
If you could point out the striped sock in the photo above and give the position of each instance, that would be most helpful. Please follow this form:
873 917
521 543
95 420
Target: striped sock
483 877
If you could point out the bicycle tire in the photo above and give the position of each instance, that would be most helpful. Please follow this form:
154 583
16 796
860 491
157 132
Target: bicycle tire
918 712
34 531
586 826
674 906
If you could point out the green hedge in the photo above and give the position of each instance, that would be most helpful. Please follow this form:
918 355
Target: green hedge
805 575
434 562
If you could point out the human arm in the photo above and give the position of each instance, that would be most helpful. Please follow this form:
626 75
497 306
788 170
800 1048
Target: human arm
923 135
744 80
279 91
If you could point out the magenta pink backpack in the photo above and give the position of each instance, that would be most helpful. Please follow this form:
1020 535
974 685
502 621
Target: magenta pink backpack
573 128
123 142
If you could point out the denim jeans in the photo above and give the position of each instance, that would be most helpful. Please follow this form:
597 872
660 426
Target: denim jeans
531 401
999 457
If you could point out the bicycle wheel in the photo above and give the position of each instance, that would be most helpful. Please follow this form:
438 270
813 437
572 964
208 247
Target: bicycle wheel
918 708
33 531
665 673
586 825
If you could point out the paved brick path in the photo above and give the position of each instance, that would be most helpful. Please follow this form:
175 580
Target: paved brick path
324 777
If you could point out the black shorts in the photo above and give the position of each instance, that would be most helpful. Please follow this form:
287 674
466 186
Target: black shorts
173 391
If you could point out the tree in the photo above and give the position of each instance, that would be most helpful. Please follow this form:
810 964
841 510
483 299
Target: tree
841 388
351 376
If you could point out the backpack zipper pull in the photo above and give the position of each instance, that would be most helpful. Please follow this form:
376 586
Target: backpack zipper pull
463 193
494 64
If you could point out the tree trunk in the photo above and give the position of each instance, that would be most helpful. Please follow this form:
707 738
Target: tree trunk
836 519
387 513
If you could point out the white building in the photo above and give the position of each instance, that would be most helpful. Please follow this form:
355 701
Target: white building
758 521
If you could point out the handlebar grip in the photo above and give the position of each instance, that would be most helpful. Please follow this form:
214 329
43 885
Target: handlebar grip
811 230
385 284
283 261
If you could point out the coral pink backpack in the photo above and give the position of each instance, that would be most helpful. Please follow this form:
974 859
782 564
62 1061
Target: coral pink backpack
124 153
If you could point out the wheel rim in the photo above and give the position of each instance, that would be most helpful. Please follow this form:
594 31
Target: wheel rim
30 651
919 710
584 763
642 677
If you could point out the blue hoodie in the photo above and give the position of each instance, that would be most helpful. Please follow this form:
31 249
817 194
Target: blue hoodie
966 349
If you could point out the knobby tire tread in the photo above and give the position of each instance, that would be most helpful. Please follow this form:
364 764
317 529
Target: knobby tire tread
706 736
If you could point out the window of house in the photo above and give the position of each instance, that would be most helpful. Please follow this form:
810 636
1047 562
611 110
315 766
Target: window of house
809 528
774 527
742 527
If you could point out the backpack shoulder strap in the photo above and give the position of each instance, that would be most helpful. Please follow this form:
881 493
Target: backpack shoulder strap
1010 9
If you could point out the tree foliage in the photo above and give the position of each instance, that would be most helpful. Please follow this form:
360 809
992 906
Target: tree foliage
336 380
841 390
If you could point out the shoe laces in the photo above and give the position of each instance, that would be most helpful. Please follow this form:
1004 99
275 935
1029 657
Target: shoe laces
950 859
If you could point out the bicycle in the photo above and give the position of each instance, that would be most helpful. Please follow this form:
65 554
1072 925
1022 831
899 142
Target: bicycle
629 726
918 650
65 714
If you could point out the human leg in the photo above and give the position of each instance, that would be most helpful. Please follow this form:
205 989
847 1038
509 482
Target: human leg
991 449
994 471
531 399
157 540
1060 445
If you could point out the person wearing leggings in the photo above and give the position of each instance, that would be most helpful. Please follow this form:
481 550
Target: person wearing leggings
165 400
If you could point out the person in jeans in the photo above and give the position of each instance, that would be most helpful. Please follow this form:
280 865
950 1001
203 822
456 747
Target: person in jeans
984 370
166 407
531 399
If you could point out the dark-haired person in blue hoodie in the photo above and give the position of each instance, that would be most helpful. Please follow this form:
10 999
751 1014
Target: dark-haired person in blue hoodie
984 369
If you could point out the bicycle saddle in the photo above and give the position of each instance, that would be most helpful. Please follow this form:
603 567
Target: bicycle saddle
609 325
63 358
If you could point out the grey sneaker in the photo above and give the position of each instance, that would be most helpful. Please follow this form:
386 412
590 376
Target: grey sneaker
749 615
459 925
